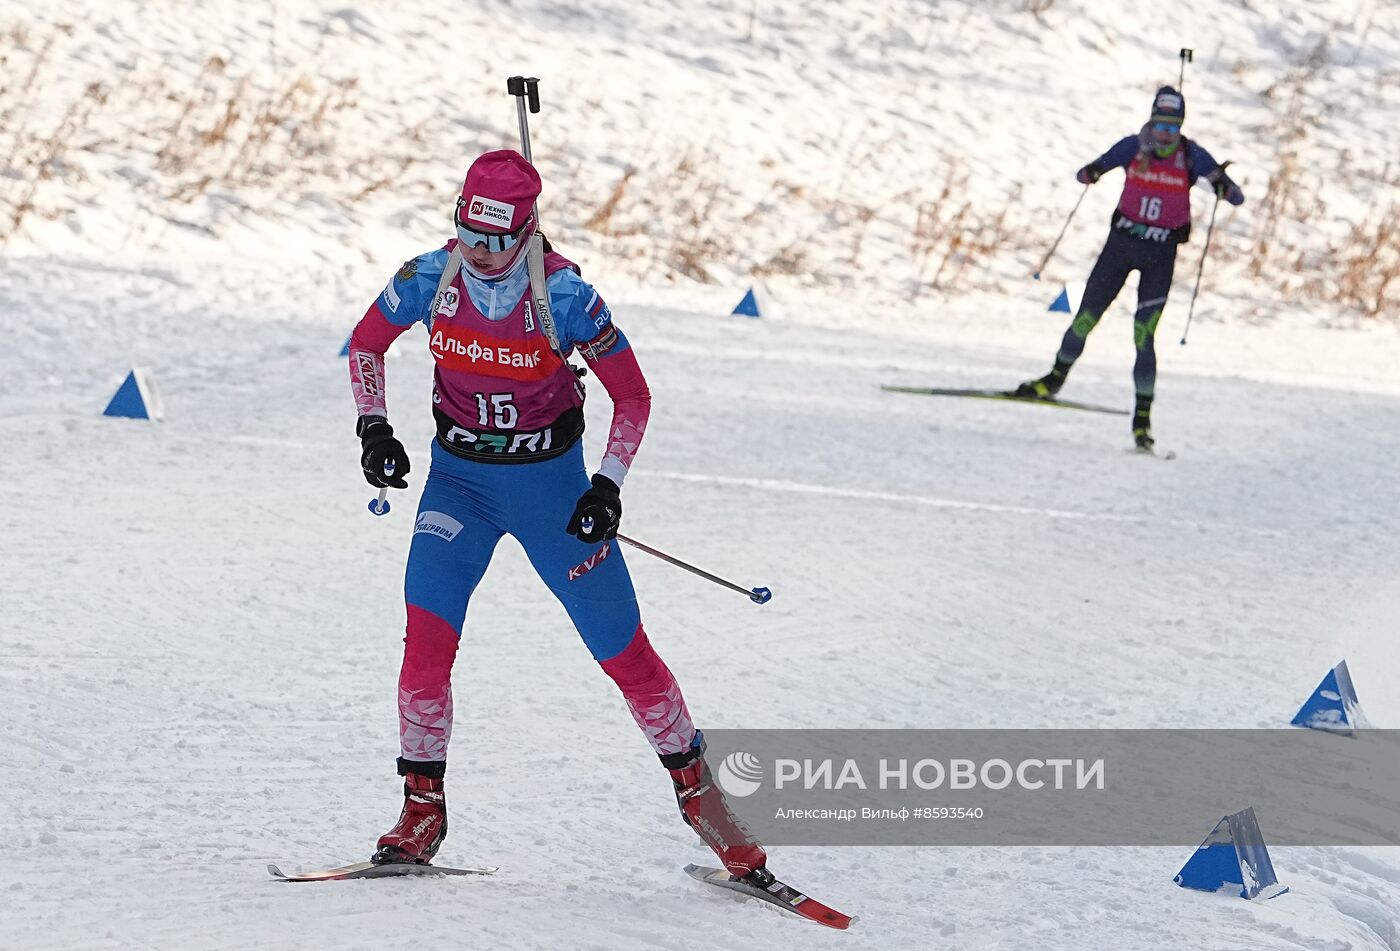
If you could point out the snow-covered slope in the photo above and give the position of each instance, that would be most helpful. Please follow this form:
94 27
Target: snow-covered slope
201 624
814 144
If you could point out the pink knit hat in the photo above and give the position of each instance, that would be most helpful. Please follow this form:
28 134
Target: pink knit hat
500 191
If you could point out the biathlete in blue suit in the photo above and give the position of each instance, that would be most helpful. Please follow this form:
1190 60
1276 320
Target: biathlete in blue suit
1152 218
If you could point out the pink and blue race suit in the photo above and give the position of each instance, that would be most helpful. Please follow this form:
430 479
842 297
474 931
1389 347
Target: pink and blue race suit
508 459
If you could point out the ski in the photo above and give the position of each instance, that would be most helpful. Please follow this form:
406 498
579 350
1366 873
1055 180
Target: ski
1167 456
371 870
776 893
1003 395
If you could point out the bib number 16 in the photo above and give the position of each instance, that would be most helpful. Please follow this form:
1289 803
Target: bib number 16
1150 209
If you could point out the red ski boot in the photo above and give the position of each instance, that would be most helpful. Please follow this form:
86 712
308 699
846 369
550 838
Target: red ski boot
705 810
423 823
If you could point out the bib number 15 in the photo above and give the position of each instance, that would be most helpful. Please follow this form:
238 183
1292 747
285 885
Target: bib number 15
499 413
1150 209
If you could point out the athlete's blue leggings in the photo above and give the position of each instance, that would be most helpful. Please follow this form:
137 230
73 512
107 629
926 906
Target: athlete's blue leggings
466 508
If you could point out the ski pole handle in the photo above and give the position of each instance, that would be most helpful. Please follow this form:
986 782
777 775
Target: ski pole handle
756 595
527 86
526 90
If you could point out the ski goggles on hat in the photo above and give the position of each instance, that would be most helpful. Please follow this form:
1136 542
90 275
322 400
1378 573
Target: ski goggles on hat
494 240
1168 127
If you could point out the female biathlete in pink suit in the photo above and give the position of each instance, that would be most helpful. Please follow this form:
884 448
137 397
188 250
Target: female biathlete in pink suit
508 458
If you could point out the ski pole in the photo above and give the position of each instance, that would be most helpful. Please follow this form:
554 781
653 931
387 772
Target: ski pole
380 506
1185 55
1046 260
756 595
1201 269
524 88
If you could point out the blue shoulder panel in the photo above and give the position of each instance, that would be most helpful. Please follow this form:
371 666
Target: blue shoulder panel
409 293
580 313
1119 154
1198 161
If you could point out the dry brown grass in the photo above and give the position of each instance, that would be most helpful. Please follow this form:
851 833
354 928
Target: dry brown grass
1288 236
1369 266
790 261
182 139
953 230
601 219
216 135
710 228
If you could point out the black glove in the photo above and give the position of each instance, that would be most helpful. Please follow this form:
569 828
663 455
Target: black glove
383 457
1227 190
598 512
1088 174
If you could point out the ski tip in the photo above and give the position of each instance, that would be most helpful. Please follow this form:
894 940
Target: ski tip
1167 456
709 874
362 870
831 918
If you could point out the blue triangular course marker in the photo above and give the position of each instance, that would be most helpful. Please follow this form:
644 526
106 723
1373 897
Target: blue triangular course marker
748 307
136 398
1333 705
1069 299
1233 854
345 350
